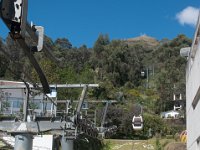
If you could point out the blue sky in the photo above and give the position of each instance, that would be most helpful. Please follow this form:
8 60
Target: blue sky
81 21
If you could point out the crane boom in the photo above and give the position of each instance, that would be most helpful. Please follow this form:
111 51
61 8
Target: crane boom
14 15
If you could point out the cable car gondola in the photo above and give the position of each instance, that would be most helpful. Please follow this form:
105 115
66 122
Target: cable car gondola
137 122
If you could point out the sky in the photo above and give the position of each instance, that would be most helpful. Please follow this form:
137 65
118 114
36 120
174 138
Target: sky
82 21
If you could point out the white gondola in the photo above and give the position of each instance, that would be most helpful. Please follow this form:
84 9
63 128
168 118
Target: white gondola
137 122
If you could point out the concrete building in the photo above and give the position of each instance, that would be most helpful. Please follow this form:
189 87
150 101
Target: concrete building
193 91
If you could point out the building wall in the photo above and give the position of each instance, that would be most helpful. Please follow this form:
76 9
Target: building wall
170 114
192 88
14 99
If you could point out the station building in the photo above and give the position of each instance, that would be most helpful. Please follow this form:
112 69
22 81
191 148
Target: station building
193 92
11 100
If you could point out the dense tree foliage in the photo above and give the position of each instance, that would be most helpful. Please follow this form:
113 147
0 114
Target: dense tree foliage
138 72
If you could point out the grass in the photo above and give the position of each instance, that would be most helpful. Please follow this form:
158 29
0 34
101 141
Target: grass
2 144
151 144
4 147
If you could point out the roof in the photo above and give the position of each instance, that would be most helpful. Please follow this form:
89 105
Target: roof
170 111
6 82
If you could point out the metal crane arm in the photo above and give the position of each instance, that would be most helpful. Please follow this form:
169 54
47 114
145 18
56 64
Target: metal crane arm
14 15
29 54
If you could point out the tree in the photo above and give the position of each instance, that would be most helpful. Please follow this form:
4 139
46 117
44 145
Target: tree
102 41
3 65
63 43
170 71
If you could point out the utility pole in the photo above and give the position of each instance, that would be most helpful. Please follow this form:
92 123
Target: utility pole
147 69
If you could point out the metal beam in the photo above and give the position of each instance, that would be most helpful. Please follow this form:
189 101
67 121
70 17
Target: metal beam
35 64
25 106
88 101
52 85
104 114
82 98
75 85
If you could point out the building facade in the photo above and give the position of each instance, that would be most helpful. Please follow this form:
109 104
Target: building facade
172 114
12 100
193 92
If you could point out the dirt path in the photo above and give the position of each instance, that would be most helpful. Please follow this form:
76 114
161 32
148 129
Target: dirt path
175 146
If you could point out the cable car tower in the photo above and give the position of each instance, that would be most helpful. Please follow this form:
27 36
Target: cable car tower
14 15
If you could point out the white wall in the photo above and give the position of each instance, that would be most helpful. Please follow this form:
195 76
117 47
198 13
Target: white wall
193 114
44 142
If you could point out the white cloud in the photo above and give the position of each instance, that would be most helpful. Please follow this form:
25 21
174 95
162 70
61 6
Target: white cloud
188 16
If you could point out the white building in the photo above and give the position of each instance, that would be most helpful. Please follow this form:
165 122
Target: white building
11 100
193 92
172 114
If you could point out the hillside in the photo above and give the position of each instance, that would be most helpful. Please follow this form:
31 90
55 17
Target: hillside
116 65
152 144
144 39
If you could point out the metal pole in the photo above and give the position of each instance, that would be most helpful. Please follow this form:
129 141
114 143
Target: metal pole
55 107
67 107
52 109
42 109
23 142
104 114
11 110
67 144
25 109
103 121
81 101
